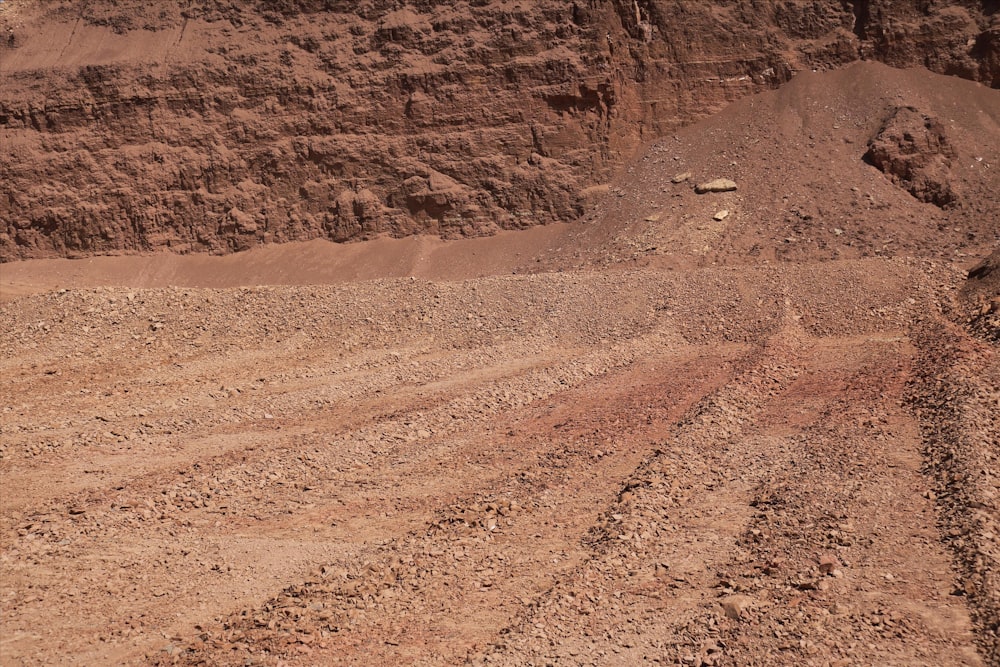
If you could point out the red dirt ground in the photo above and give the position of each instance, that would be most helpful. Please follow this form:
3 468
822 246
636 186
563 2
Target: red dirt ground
648 436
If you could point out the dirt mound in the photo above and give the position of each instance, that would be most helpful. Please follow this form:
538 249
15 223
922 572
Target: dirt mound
306 263
805 190
137 126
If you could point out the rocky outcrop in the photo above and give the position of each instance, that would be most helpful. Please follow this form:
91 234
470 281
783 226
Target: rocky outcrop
979 300
911 149
130 126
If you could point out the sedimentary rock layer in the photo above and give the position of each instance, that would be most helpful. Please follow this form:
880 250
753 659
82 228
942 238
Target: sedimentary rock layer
205 126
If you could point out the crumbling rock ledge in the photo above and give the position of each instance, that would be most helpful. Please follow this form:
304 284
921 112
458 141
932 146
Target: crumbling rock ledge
133 126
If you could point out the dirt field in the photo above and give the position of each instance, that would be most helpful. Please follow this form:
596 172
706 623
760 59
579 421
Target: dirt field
651 436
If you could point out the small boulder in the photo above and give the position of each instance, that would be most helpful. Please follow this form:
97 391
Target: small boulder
736 606
718 185
913 150
828 563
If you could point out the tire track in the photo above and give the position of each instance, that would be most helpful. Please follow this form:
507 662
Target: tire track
730 545
511 524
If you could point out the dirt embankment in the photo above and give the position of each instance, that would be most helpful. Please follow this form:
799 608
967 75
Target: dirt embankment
133 126
863 161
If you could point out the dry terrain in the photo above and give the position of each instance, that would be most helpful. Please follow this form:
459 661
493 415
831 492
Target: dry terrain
757 426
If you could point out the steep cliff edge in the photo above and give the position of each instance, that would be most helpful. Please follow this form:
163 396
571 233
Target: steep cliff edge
216 126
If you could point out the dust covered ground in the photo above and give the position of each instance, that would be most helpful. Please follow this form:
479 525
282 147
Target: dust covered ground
651 436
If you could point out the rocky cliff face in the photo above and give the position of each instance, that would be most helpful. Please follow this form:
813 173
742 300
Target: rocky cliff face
207 125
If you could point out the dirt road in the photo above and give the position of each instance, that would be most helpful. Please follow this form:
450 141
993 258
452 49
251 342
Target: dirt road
711 467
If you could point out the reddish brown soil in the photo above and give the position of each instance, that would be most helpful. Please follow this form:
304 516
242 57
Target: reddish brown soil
648 436
587 466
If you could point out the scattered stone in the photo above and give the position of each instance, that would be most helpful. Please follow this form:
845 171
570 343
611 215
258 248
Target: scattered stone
839 609
680 178
718 185
828 563
736 606
806 584
721 215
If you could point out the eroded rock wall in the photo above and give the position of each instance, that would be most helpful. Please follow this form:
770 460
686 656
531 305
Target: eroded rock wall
215 126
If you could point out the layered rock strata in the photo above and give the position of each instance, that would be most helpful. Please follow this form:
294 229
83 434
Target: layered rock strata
209 126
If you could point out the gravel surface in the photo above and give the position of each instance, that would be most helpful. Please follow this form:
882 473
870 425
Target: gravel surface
648 437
